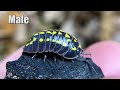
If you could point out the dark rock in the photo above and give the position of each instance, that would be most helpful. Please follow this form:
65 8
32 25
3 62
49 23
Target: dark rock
27 68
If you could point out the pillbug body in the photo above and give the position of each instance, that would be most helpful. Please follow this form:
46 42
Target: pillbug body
54 41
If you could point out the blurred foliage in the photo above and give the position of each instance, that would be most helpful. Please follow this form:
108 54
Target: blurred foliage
87 26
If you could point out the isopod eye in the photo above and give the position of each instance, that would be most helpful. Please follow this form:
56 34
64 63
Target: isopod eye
79 51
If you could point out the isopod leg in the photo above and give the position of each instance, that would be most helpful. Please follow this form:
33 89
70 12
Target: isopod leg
55 58
45 56
34 56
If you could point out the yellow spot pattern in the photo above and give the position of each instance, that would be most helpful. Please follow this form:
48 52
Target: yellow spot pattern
34 39
27 44
41 40
64 44
69 40
47 39
53 40
74 48
59 33
58 42
75 40
54 32
31 42
49 32
42 32
79 46
67 36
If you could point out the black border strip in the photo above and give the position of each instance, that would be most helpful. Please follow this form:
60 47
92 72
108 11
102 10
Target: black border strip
66 5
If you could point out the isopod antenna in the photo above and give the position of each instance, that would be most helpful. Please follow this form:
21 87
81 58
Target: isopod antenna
87 54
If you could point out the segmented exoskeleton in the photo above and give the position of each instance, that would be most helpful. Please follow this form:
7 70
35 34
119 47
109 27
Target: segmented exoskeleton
56 41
